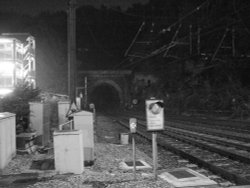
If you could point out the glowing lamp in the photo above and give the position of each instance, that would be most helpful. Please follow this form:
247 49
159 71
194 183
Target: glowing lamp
6 68
5 40
5 91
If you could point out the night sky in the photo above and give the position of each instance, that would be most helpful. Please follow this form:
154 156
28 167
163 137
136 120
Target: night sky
36 6
214 67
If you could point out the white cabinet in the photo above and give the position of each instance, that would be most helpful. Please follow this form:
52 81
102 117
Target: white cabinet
7 138
40 121
83 120
68 151
63 108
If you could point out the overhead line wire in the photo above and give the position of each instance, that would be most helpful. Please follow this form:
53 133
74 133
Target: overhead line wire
188 14
183 38
165 47
95 40
182 18
97 43
239 17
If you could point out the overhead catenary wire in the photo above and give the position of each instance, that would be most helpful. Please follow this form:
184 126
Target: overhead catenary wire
172 25
238 15
219 45
188 14
165 47
117 66
96 42
134 39
161 49
173 39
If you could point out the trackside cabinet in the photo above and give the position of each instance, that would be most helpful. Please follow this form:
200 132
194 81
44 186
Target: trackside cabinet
40 121
68 151
7 138
83 120
63 108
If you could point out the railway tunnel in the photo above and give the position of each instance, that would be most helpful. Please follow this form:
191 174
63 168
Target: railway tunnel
107 89
106 97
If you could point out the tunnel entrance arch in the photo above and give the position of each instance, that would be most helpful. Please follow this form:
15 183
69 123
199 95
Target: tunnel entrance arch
106 95
105 85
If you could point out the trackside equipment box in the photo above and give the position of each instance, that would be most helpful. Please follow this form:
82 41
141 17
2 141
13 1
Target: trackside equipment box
68 150
7 138
83 120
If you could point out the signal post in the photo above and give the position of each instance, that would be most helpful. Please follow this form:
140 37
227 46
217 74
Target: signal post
155 123
133 125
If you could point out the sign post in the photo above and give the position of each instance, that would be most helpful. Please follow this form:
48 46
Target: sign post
154 149
155 122
155 115
132 125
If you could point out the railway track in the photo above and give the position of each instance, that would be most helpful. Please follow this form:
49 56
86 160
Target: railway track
222 150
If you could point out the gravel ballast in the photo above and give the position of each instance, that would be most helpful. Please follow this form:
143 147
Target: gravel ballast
104 173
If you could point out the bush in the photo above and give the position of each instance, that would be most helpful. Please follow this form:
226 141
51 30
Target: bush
18 103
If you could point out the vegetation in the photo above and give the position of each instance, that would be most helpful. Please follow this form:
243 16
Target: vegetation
18 103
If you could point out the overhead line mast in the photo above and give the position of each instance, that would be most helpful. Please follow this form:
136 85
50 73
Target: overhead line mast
72 50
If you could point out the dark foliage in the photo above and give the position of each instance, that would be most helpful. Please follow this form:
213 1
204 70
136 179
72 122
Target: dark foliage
18 103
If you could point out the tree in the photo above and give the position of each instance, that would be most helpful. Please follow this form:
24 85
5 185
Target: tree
18 103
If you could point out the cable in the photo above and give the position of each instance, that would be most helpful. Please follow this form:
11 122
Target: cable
239 17
134 39
182 18
165 47
117 66
185 37
188 14
96 42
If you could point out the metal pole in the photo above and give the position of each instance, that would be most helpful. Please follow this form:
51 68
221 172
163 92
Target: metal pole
219 46
154 136
190 40
138 32
134 155
233 42
71 49
199 41
85 92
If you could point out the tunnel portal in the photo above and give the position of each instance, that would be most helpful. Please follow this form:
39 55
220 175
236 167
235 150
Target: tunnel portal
105 97
107 89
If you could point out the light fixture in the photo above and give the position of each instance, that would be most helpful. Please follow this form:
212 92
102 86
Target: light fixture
5 40
6 68
5 91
